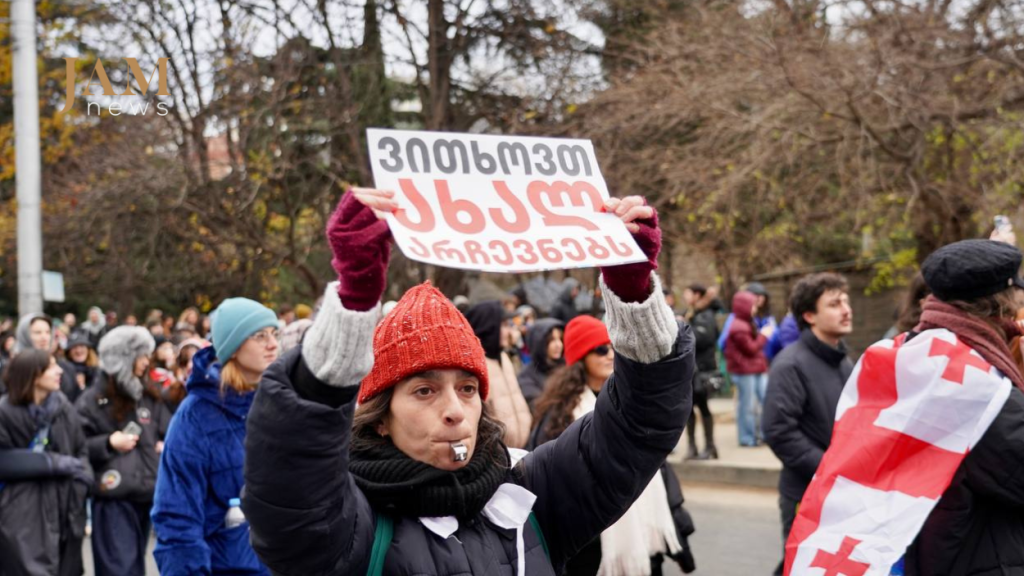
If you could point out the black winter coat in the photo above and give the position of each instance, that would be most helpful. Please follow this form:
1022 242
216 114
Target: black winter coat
131 475
42 520
705 333
977 528
532 378
307 516
69 380
804 385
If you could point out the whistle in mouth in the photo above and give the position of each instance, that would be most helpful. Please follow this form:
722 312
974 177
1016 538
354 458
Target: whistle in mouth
459 452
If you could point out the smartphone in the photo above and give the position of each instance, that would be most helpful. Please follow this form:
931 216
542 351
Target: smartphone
1003 224
133 429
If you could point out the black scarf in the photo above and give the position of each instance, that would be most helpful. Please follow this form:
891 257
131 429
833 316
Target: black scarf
43 414
396 484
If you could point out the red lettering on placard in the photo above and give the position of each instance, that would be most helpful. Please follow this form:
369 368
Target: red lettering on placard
522 217
549 252
529 256
619 248
474 249
442 252
506 259
426 215
557 192
579 255
418 248
451 209
596 250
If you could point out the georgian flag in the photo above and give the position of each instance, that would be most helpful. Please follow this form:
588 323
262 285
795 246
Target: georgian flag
908 416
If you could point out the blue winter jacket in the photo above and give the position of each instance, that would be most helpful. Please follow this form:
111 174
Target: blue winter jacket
787 333
200 472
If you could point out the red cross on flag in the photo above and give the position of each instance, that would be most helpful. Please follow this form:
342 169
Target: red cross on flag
908 416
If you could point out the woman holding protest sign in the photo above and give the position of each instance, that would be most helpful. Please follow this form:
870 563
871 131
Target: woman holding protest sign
417 480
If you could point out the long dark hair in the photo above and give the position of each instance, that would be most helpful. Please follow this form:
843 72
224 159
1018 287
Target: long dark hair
22 373
123 404
372 412
561 396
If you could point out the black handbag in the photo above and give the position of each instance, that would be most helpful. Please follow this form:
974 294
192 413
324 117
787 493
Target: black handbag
708 382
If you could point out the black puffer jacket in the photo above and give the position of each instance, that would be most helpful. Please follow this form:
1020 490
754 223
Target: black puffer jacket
42 520
122 476
307 515
804 386
977 528
531 379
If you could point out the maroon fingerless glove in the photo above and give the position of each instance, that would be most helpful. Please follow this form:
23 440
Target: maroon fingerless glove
632 282
361 245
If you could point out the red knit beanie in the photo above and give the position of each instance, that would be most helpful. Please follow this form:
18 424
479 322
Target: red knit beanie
423 332
582 335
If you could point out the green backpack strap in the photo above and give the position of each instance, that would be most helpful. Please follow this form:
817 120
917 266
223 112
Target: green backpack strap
381 542
386 530
540 534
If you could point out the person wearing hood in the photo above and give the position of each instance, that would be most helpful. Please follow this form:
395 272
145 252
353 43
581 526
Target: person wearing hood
506 401
762 318
200 478
125 422
747 365
416 480
82 364
544 341
94 327
35 331
564 308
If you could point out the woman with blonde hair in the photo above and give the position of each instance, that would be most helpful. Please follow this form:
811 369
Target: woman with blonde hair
198 523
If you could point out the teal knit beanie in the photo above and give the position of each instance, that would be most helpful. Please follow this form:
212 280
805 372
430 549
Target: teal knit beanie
234 321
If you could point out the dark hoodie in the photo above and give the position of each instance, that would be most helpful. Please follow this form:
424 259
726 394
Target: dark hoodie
744 350
485 318
565 307
532 378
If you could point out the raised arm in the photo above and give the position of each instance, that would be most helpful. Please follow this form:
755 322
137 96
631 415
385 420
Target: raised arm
590 475
305 512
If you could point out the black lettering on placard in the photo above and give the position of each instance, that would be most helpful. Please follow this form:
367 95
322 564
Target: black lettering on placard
577 156
484 162
451 156
425 152
448 162
508 152
548 167
395 153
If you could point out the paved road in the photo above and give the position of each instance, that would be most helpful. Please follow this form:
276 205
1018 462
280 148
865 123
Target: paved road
737 533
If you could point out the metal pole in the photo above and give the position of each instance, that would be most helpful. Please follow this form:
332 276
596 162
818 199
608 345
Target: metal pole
26 150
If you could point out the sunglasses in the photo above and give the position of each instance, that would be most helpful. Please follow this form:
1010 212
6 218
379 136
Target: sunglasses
602 350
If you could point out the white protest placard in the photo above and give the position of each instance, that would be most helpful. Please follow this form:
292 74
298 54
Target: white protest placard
498 203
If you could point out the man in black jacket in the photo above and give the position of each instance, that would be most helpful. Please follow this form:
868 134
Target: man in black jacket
804 386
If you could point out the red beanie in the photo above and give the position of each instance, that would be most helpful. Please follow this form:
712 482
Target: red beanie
423 332
582 335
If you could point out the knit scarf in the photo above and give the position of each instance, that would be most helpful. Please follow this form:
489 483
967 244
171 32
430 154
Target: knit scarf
398 485
976 333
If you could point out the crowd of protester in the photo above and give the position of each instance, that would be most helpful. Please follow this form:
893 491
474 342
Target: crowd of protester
112 431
